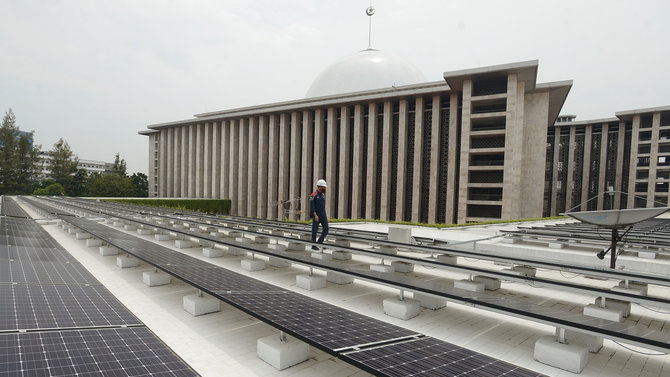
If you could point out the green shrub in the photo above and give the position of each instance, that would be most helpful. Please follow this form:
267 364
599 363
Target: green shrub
214 206
52 190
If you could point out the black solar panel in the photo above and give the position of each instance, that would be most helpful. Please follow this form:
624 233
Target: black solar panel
428 356
29 307
102 352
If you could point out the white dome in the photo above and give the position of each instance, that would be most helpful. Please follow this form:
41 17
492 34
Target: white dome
364 70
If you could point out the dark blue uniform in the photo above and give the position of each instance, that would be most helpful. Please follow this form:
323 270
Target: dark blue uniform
317 203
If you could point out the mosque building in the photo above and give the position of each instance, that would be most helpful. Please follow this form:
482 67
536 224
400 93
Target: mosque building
480 144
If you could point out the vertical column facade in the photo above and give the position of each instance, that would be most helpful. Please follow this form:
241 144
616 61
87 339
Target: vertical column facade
319 145
417 171
603 165
331 162
401 189
306 180
387 145
464 172
262 180
621 140
653 159
207 162
434 181
243 172
294 175
453 184
193 142
571 170
170 162
162 172
587 168
357 171
199 160
252 171
273 167
371 171
284 156
632 172
176 164
233 165
225 159
216 160
344 174
185 150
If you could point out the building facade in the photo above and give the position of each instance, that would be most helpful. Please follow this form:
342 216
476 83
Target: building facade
458 150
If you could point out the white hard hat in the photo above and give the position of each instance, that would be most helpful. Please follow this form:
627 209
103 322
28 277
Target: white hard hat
321 183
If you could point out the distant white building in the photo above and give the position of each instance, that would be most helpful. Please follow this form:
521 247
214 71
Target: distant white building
91 166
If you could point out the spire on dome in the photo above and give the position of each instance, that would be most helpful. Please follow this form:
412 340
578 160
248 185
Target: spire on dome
370 11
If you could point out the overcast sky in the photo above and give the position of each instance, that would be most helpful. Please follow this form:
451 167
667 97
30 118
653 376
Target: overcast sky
96 72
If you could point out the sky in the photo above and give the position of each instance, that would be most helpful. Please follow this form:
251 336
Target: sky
96 72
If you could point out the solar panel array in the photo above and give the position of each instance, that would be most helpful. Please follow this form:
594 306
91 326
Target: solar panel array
326 326
56 318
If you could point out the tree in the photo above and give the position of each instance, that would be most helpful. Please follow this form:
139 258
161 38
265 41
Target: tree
78 183
111 185
18 157
52 189
141 183
119 167
62 165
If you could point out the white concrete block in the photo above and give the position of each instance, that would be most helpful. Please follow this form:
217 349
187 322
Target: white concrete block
108 250
403 235
447 259
556 245
525 270
382 268
217 234
178 226
155 278
610 314
633 288
212 252
339 278
183 244
278 262
341 255
236 251
261 240
490 284
310 283
386 249
195 230
127 261
568 356
82 236
342 243
276 247
469 285
282 354
198 305
511 240
252 264
295 246
234 234
402 267
402 309
593 343
118 223
145 231
321 256
162 237
277 232
305 237
129 227
513 272
430 302
623 306
93 242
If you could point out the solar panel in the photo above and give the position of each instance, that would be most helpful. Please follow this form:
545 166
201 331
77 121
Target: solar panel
129 351
428 356
30 307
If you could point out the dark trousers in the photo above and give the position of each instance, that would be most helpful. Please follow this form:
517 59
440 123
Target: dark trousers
315 228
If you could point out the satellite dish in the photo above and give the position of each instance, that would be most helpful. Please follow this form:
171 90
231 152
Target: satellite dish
617 218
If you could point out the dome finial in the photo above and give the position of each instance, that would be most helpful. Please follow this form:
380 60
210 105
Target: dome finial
370 11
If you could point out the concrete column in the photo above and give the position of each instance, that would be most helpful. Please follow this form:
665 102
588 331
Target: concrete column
207 162
417 176
554 176
371 171
252 171
273 167
603 165
176 164
162 172
401 186
193 142
284 156
387 144
464 172
586 173
320 146
233 164
262 180
632 170
243 173
225 159
453 183
294 175
200 161
621 140
653 158
515 150
344 173
357 171
331 162
306 179
216 160
170 162
434 180
185 142
571 171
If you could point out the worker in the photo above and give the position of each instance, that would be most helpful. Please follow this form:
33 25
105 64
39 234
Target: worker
317 205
